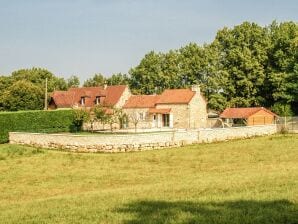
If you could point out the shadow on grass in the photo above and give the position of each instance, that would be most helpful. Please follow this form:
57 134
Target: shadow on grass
243 212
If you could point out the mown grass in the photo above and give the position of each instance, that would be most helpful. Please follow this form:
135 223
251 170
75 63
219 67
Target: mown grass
243 181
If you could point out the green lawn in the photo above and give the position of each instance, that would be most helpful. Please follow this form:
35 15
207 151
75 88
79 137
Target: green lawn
243 181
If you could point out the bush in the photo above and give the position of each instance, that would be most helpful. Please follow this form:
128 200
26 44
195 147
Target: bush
284 130
35 121
284 110
79 117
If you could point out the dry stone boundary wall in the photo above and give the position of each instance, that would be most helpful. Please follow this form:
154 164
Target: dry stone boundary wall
136 141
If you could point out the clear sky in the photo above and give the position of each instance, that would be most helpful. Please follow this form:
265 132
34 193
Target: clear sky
84 37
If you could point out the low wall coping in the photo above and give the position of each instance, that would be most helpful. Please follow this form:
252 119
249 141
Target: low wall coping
240 127
92 135
140 134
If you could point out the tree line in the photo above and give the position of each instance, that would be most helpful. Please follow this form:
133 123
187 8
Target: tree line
247 65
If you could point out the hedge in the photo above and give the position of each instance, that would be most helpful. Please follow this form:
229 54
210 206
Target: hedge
35 121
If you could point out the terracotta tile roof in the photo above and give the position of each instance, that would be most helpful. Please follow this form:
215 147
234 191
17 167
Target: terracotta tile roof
63 98
88 91
109 111
113 94
169 96
141 101
110 96
159 111
244 112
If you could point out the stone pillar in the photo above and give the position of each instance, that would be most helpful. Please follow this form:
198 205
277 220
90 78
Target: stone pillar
159 120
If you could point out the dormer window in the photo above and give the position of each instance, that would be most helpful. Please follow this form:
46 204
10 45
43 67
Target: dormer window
97 100
82 100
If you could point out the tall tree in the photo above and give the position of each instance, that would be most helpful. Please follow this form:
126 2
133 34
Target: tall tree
146 77
5 82
193 64
247 65
73 81
96 80
117 79
37 76
171 75
282 72
22 95
243 51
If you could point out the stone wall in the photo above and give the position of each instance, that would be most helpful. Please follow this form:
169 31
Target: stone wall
222 134
136 141
146 122
180 113
198 111
126 94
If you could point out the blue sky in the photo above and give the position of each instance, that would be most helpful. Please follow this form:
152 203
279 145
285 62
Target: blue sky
84 37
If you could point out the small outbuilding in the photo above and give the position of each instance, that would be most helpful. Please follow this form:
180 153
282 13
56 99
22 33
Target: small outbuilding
248 116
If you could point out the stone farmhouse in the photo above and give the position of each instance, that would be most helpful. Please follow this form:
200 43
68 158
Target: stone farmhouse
173 108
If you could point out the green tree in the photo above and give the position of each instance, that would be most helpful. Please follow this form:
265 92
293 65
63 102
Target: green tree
96 80
123 119
38 76
243 57
117 79
79 117
73 81
181 68
282 109
112 116
247 65
5 82
217 102
281 85
171 76
193 65
293 87
147 75
101 115
22 95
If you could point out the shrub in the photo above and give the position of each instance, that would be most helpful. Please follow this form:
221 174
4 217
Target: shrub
79 117
284 130
283 110
35 121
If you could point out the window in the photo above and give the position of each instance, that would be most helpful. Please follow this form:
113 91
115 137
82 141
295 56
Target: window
166 120
82 101
142 116
97 100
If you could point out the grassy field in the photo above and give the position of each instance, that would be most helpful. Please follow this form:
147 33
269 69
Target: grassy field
243 181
